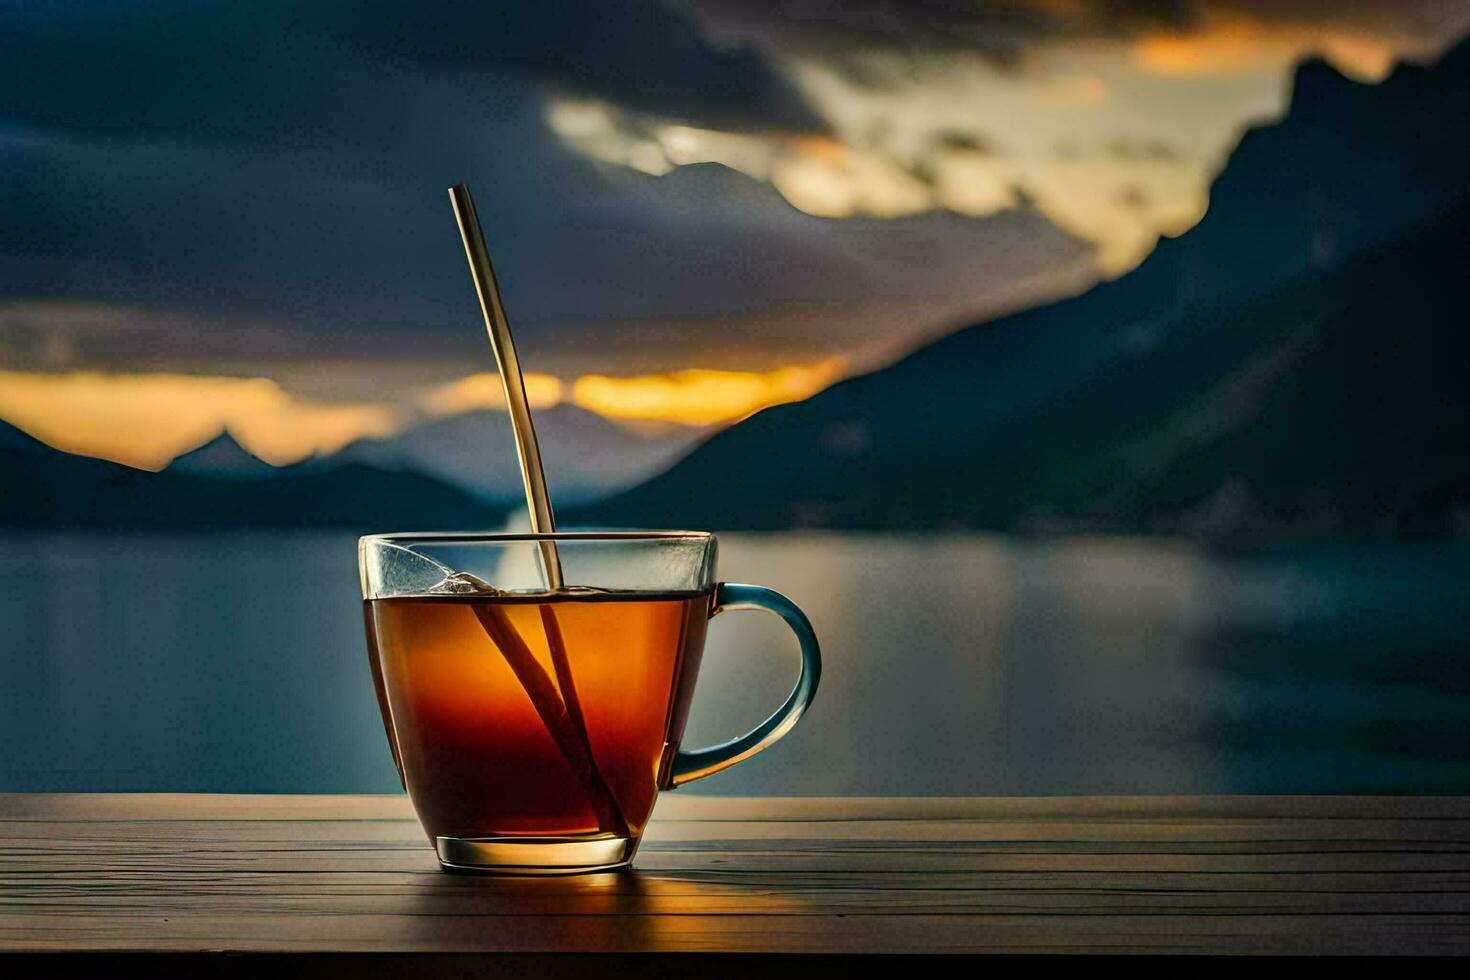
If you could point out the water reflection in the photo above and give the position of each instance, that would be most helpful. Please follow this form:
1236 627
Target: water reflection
955 665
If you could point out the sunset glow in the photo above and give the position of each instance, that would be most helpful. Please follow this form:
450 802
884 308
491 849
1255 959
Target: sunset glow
702 397
484 390
1226 44
146 420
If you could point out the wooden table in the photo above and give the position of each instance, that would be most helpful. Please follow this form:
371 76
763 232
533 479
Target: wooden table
1100 875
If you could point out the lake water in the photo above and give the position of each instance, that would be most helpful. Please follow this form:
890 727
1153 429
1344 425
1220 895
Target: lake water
955 664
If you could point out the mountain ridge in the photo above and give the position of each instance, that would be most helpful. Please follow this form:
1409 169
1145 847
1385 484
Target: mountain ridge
586 455
222 457
45 487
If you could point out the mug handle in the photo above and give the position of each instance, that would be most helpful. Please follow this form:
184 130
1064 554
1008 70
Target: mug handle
689 766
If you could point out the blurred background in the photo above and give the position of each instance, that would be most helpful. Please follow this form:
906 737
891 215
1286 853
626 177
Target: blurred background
1093 373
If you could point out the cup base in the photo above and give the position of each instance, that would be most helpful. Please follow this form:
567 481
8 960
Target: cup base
534 855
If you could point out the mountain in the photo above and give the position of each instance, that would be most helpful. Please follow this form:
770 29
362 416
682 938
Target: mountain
1350 170
1333 407
222 458
17 442
47 487
586 456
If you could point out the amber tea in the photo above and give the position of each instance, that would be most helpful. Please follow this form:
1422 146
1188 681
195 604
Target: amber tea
459 677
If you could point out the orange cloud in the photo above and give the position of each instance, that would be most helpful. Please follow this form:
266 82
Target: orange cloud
1232 43
484 391
145 420
702 397
1073 90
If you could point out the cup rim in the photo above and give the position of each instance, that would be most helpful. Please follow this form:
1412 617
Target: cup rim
511 537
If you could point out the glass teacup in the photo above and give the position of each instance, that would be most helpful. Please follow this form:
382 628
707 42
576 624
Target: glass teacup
532 727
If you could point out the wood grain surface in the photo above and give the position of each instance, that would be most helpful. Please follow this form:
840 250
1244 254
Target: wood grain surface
1112 875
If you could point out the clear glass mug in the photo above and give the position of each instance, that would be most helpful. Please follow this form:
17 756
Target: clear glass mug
534 726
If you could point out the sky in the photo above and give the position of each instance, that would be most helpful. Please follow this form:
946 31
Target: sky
234 215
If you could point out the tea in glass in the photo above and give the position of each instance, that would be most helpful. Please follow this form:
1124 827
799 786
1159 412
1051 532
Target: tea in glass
482 758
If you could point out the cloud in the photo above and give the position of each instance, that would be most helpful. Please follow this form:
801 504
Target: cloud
1080 89
916 148
276 72
702 397
644 54
892 41
145 420
1362 40
896 83
50 335
484 390
222 186
247 189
